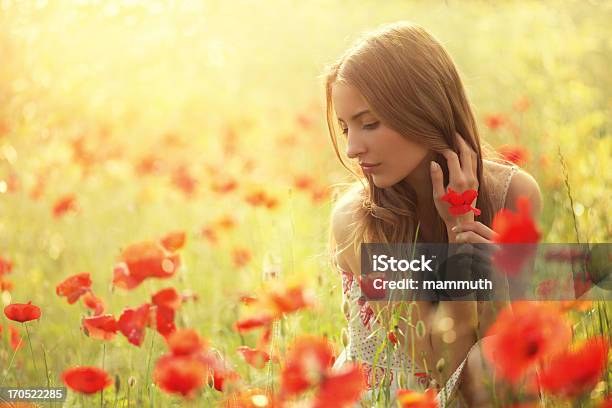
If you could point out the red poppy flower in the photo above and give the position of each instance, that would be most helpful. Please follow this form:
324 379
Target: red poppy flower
184 181
495 121
6 266
123 279
87 380
210 234
392 337
168 297
271 203
546 289
222 378
149 164
308 359
524 334
94 303
241 257
255 322
256 198
289 300
515 228
367 285
150 259
303 182
253 357
224 187
164 320
573 373
144 260
226 222
514 154
413 399
461 203
566 255
248 300
319 194
180 374
185 342
64 204
521 104
103 327
309 365
133 322
74 287
20 312
15 340
341 389
174 241
6 285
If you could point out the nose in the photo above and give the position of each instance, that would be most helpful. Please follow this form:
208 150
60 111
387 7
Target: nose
355 146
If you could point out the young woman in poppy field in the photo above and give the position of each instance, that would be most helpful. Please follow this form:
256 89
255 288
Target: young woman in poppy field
398 99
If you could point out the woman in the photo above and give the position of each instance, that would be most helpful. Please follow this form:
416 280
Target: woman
398 99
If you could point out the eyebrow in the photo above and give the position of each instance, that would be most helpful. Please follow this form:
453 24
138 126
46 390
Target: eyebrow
358 114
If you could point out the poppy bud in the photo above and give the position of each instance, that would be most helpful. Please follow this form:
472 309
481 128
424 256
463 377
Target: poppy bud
420 329
345 337
346 308
440 365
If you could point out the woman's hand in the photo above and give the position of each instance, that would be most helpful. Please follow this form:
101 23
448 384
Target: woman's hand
473 232
462 176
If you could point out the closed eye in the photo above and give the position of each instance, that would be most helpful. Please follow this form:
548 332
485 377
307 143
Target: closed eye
371 126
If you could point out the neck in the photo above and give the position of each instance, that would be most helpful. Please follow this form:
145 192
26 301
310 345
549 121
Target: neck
420 180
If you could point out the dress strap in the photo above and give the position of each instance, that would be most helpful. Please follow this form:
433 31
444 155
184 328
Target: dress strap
513 169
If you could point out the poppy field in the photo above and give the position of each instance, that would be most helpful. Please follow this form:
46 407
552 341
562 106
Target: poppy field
167 181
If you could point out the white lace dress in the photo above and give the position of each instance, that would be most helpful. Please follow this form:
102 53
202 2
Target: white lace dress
366 343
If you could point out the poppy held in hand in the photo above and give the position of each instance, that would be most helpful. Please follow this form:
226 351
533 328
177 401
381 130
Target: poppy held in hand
20 312
461 203
87 380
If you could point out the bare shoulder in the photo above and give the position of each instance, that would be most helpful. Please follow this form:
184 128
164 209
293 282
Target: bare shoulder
343 227
523 184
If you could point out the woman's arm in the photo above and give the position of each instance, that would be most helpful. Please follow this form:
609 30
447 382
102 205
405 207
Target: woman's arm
342 222
523 184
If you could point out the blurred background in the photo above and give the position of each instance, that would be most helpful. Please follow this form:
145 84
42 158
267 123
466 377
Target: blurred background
123 120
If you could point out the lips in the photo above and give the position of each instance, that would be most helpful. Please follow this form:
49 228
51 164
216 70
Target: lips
369 165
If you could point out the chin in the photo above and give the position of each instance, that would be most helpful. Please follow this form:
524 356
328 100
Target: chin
381 182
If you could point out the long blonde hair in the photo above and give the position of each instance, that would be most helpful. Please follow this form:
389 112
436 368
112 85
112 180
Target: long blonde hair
412 85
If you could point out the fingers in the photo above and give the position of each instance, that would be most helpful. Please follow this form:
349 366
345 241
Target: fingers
455 176
471 237
437 180
464 154
477 228
469 162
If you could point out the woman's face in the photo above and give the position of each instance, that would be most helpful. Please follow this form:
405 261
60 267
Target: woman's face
391 156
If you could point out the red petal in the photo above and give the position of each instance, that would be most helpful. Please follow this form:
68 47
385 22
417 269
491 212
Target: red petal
87 380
